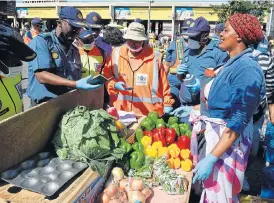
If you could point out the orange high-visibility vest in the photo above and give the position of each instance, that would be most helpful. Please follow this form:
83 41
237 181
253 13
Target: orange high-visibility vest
151 91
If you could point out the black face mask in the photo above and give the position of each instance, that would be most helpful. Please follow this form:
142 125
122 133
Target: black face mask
68 38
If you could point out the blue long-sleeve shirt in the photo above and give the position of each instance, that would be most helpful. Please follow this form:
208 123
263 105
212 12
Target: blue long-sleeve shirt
237 91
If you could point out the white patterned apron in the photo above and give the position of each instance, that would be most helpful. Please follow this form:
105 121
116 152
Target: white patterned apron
226 180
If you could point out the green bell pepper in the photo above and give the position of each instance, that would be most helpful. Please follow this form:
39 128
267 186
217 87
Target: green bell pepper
160 123
138 146
184 127
125 145
172 120
139 134
176 127
147 124
137 159
153 116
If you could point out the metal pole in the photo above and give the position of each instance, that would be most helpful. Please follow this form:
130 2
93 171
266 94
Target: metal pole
270 21
148 23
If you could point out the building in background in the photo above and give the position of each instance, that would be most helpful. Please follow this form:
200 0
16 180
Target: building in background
165 16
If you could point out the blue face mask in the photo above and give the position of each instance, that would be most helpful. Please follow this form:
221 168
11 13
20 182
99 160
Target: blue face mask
193 44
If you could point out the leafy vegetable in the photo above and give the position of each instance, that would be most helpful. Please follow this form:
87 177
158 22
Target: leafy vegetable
88 136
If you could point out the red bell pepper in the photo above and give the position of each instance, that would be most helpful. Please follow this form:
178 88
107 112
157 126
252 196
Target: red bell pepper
170 135
159 135
147 133
183 142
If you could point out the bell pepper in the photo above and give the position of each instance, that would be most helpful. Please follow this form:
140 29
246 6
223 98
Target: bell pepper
183 142
186 165
139 134
138 147
188 133
160 123
176 127
151 151
170 136
137 159
174 163
159 135
184 127
172 120
125 145
153 116
162 151
146 141
147 124
174 152
147 133
172 146
185 154
157 145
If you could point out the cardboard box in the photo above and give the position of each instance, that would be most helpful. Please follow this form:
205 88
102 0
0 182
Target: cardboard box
27 133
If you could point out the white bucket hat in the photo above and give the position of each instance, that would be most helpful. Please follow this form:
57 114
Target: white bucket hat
136 31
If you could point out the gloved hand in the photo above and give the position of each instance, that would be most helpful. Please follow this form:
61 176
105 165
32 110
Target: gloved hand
195 87
182 111
204 168
168 109
182 69
84 85
120 86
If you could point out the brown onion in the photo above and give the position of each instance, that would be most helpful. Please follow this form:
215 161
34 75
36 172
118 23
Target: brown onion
147 192
137 184
111 190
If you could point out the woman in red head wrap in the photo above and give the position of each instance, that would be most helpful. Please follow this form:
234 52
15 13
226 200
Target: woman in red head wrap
232 98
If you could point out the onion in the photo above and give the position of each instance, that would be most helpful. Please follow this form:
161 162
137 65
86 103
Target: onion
111 190
115 201
105 198
136 196
123 184
147 192
137 184
118 174
123 197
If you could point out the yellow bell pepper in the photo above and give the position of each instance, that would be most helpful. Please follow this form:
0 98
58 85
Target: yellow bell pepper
157 145
162 151
151 151
186 165
174 163
172 146
174 152
185 153
146 141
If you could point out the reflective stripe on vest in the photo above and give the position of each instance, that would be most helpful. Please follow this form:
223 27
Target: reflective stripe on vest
155 82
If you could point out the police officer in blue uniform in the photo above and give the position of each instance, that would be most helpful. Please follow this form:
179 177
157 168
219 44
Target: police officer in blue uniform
202 54
57 67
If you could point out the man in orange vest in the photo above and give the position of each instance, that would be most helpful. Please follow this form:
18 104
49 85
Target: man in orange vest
37 25
138 81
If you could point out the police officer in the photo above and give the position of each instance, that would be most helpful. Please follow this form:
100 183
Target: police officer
12 50
217 31
174 56
57 67
202 56
94 22
37 26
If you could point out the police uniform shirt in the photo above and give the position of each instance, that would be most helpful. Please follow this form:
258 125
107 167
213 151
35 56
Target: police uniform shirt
52 57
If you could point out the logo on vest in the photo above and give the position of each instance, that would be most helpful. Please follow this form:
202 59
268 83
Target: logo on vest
141 79
54 55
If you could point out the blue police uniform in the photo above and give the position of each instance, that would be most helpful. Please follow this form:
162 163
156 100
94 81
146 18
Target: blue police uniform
210 57
237 91
52 57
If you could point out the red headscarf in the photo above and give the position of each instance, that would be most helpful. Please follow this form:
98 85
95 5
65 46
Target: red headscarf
247 27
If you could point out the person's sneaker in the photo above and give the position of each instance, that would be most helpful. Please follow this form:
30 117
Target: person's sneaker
246 186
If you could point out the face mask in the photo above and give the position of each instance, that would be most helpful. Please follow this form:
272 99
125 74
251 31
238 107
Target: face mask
135 50
192 44
88 47
186 37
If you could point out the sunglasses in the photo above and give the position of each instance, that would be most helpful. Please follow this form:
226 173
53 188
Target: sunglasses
73 29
